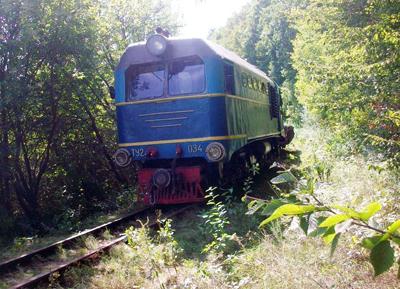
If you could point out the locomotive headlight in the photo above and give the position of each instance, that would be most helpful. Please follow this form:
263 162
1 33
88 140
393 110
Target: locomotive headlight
161 178
156 44
122 157
215 151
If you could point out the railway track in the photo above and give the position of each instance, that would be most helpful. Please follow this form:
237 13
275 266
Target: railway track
28 270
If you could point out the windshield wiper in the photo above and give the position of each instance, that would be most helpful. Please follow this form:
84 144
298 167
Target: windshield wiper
157 76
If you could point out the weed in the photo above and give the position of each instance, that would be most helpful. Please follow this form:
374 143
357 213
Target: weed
166 236
172 258
127 197
107 235
91 242
276 230
22 242
215 223
61 253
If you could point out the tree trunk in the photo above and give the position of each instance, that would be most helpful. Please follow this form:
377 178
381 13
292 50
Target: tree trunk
100 140
5 194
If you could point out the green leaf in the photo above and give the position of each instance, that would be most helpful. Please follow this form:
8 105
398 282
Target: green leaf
348 211
254 206
318 231
335 243
396 240
394 227
270 207
285 177
288 209
333 220
291 198
305 223
371 242
329 235
391 230
382 257
370 210
367 213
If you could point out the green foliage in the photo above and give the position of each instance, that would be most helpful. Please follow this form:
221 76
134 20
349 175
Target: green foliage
262 34
285 177
127 197
348 70
331 58
382 257
303 203
150 255
57 122
333 220
289 210
166 237
364 215
215 222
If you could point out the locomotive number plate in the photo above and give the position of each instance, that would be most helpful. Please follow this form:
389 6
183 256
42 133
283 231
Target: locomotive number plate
139 152
194 148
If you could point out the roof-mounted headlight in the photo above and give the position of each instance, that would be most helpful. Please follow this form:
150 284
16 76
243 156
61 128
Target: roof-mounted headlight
157 45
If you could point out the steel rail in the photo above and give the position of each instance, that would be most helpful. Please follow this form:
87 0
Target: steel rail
93 253
62 266
13 262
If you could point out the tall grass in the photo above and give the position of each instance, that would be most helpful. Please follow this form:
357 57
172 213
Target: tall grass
260 259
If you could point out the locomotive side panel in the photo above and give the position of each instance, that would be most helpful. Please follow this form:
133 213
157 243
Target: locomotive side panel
248 112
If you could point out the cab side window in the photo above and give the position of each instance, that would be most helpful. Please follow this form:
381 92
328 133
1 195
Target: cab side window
229 77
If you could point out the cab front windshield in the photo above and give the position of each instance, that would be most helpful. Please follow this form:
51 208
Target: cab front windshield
185 76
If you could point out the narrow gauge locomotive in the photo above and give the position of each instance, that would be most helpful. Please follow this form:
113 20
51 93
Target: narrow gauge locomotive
189 112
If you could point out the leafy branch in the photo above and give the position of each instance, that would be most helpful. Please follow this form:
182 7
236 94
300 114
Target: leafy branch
216 221
330 221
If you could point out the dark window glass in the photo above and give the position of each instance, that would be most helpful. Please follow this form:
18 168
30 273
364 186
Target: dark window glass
186 76
263 90
252 86
145 81
274 101
245 80
229 79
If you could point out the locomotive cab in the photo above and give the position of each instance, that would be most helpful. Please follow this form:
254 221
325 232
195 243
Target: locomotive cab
185 108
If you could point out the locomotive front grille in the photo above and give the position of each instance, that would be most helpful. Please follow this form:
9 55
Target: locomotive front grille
184 188
166 119
182 193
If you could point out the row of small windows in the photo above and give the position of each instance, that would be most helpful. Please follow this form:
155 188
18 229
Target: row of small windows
252 83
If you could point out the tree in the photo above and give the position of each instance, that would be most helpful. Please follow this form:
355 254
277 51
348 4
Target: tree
347 58
56 118
262 34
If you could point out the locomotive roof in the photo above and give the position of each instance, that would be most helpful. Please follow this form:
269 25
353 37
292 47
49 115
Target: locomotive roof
137 53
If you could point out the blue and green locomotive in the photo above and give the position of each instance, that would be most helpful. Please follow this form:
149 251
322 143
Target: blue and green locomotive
189 112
